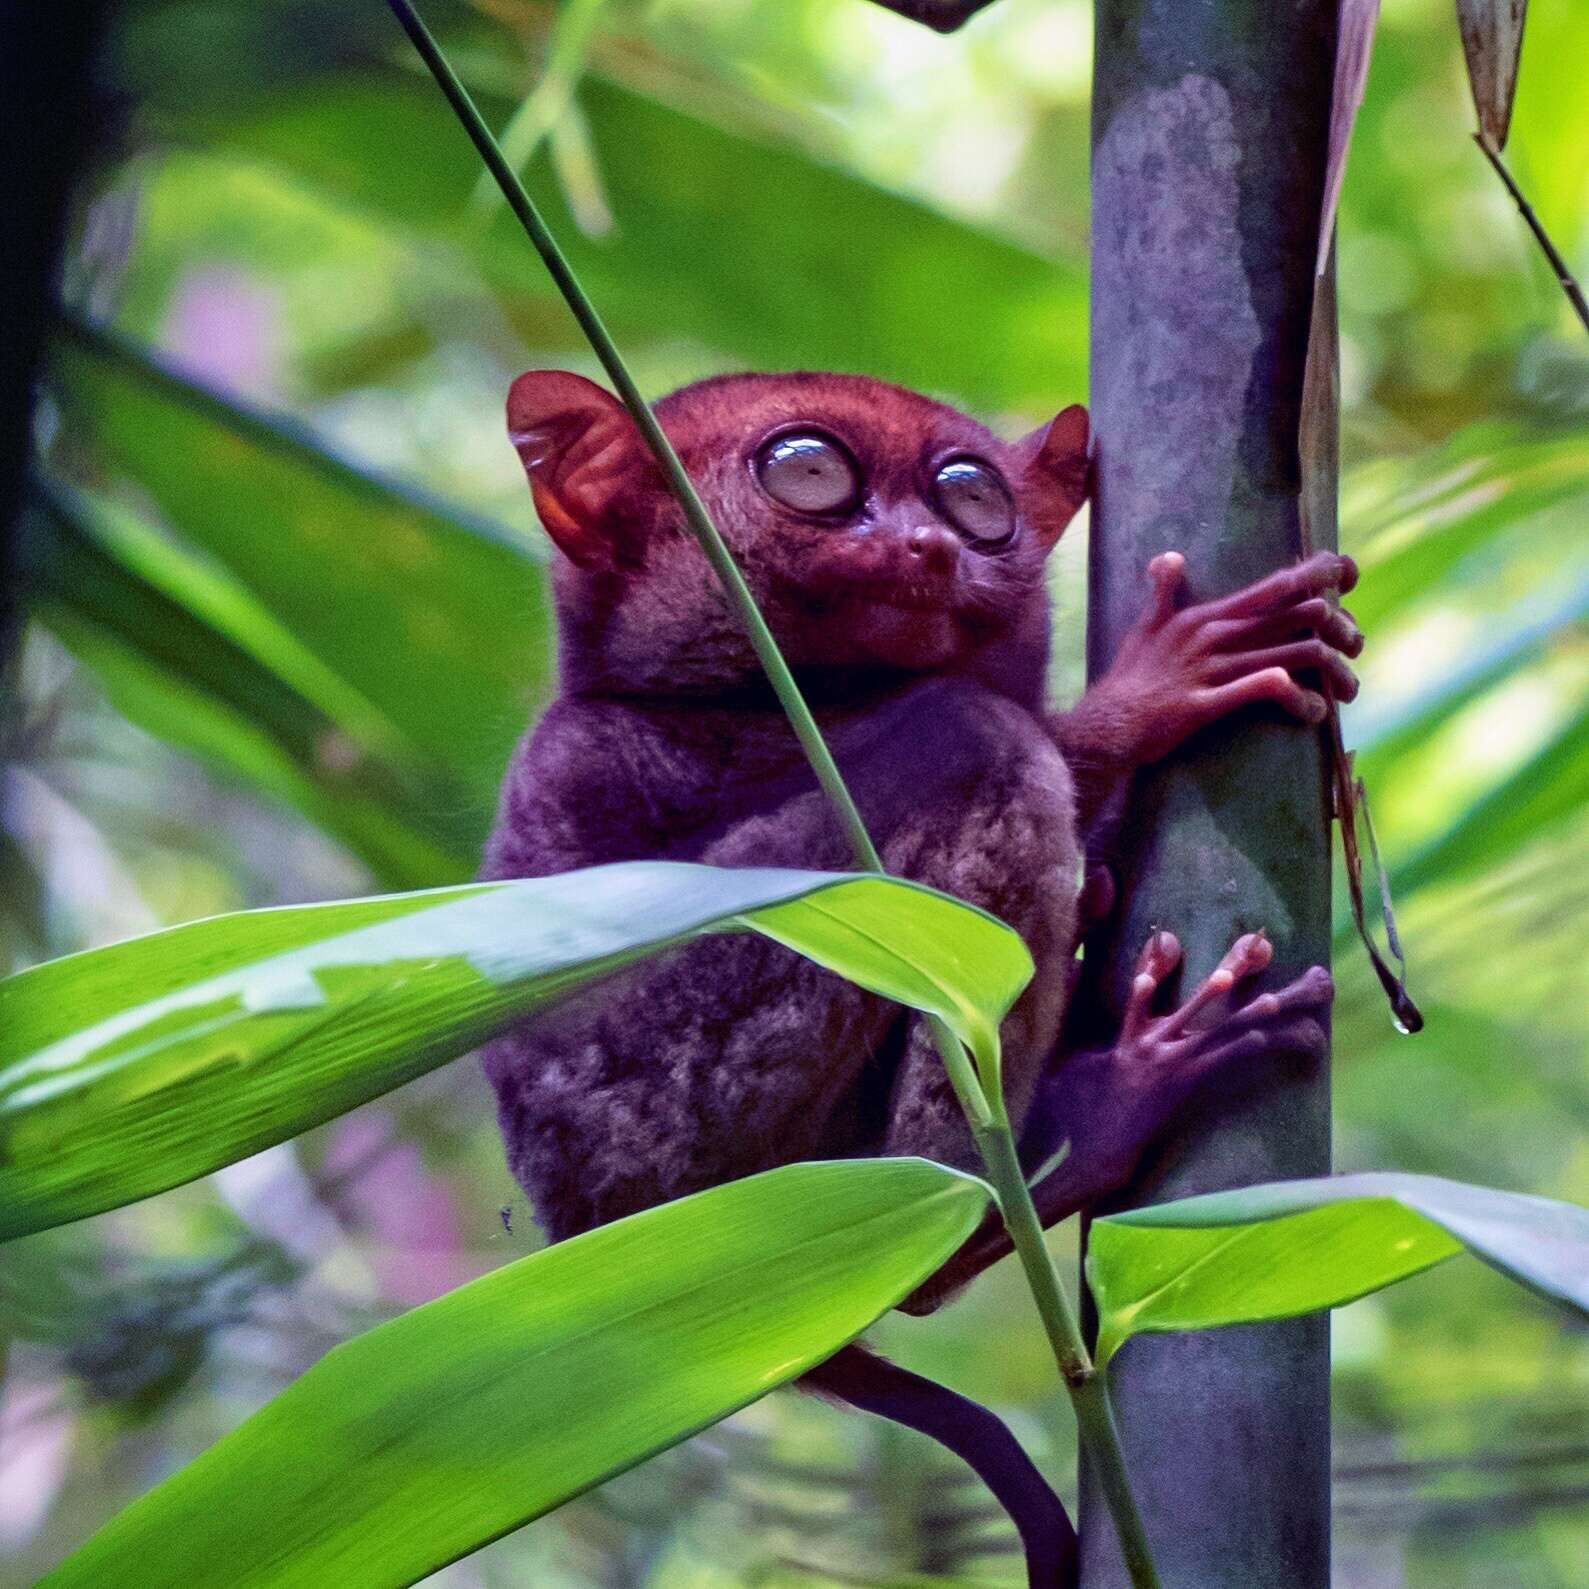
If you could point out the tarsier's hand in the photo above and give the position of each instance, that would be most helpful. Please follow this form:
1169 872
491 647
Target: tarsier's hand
1180 670
1118 1101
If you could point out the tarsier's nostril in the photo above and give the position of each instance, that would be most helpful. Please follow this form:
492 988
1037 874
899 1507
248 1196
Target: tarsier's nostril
938 548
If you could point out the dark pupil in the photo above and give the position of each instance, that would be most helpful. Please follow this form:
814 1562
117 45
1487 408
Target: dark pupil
974 501
809 474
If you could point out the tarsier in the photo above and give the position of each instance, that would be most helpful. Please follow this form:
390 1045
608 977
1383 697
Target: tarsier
897 549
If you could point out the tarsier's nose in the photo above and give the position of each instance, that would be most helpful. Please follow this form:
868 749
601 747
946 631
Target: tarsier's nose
937 547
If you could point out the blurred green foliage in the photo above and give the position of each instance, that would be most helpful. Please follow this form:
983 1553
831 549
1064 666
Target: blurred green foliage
291 614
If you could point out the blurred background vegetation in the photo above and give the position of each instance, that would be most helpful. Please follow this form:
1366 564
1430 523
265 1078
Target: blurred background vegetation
288 616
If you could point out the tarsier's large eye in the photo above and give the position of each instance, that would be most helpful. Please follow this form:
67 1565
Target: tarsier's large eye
975 500
808 472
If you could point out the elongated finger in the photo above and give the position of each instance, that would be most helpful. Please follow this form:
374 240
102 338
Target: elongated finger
1299 654
1166 574
1301 1037
1249 954
1332 624
1324 571
1270 684
1310 993
1339 629
1161 954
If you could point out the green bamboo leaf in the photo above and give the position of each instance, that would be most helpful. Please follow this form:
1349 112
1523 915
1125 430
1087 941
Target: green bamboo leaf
1271 1252
552 98
1380 731
921 956
434 620
188 655
1414 524
134 1068
1548 788
431 1435
381 142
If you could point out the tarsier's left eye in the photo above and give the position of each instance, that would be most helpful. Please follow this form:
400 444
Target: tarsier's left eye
808 472
975 500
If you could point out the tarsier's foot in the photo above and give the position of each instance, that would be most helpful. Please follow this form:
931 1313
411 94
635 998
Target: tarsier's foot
1180 669
1173 1052
1118 1101
1107 1107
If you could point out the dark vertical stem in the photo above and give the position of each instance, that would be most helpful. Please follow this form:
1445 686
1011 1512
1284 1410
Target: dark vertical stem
1210 127
47 114
1553 255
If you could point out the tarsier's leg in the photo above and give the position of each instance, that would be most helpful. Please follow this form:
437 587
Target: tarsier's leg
1109 1106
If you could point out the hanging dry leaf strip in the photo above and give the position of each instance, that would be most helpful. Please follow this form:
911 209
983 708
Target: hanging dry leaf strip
1492 41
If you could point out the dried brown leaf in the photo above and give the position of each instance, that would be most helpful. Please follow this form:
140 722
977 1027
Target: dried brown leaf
1354 45
1492 40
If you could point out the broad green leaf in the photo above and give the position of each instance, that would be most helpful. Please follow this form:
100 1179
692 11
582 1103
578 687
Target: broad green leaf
1380 730
1271 1252
1414 523
431 1435
1550 787
927 300
130 1069
189 656
920 956
435 620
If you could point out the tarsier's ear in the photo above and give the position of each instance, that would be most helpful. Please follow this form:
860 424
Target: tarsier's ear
1058 472
581 451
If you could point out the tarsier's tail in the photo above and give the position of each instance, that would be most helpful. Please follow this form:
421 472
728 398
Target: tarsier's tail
870 1383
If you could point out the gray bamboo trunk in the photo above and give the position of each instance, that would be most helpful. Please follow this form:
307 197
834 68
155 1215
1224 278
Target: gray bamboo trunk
1210 121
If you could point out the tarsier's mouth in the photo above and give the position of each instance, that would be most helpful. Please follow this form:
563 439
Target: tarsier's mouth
924 596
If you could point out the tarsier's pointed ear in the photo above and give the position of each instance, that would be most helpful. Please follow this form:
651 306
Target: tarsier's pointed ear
581 451
1058 471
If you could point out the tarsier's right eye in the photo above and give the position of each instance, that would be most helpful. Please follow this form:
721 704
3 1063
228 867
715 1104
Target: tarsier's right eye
808 472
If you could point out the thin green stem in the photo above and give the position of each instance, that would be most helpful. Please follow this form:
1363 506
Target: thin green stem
989 1122
700 521
973 1096
1089 1390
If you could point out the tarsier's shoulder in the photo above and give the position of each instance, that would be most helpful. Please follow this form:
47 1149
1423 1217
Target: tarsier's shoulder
573 793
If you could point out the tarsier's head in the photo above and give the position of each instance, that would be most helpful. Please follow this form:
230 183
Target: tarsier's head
877 528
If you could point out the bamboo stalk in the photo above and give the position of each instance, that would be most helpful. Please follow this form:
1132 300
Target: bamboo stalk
1210 145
